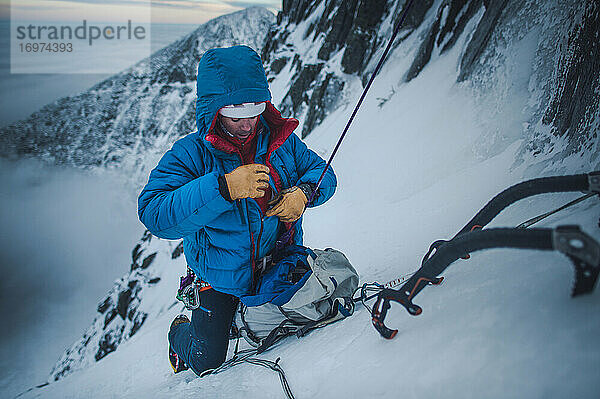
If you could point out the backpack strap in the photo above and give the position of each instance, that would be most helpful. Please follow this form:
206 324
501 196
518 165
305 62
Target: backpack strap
339 311
283 330
246 331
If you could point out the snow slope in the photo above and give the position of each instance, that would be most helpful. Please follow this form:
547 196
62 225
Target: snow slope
412 170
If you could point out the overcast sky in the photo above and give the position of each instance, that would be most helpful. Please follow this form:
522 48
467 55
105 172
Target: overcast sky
165 11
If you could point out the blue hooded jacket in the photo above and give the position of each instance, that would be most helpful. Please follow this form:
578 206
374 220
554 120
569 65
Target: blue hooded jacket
222 239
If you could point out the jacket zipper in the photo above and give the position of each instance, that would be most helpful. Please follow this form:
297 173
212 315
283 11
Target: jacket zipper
254 245
252 250
262 219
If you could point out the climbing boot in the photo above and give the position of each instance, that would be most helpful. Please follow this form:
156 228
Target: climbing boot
177 364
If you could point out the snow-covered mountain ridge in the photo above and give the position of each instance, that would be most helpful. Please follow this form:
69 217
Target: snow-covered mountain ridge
127 121
315 51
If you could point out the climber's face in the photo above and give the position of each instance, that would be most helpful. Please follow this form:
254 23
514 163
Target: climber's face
240 128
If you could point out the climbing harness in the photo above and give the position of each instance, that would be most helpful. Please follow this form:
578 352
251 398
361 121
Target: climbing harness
189 290
580 248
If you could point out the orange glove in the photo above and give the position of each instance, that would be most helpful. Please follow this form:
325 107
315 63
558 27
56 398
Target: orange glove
248 181
289 206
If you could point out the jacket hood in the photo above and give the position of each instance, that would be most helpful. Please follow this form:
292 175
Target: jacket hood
227 76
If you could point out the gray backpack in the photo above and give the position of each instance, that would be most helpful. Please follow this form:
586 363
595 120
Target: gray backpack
307 289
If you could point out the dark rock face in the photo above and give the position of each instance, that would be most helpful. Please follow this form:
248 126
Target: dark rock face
125 298
135 255
338 27
575 102
489 21
119 316
148 260
110 316
324 97
103 306
107 344
298 10
278 64
348 26
299 88
364 34
415 17
449 24
138 321
352 28
178 251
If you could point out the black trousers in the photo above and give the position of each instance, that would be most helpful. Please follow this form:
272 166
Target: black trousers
202 344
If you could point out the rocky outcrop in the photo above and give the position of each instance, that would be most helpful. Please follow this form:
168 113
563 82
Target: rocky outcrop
566 66
121 313
323 99
337 28
481 36
574 108
451 19
361 41
347 35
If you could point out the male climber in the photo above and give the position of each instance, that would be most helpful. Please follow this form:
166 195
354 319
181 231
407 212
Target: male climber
230 190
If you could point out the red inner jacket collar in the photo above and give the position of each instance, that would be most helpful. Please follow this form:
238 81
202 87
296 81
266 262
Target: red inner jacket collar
245 149
280 129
